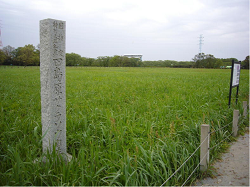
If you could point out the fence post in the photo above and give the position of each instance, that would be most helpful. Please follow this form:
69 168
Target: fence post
204 150
235 122
245 109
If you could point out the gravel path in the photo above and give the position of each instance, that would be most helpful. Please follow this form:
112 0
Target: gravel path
233 168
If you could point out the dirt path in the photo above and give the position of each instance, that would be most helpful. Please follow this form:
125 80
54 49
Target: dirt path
233 168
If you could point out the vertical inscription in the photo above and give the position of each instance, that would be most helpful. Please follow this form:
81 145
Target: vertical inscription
52 70
58 74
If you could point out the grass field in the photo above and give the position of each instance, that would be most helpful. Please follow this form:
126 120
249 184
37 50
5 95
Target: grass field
125 126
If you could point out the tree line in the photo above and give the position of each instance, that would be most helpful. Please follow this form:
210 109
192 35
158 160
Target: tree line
29 55
73 59
203 60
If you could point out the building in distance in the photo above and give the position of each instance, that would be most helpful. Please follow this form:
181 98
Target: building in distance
134 56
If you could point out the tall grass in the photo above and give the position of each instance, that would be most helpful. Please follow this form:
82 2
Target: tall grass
125 126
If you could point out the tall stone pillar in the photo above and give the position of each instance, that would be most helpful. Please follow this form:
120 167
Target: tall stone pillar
53 93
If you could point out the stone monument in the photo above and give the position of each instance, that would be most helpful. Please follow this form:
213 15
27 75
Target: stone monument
53 95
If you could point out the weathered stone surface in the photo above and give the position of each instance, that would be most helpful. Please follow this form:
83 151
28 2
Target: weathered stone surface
52 75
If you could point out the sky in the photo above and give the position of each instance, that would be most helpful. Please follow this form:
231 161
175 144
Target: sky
157 29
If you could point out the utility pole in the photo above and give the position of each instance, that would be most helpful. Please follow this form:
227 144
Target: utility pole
200 43
200 55
1 43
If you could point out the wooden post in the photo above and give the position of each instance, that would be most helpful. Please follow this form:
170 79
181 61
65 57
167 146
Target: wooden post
235 122
245 109
204 149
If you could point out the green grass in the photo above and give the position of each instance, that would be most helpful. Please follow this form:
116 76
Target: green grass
125 126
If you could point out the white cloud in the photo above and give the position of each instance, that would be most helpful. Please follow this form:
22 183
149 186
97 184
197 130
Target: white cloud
160 29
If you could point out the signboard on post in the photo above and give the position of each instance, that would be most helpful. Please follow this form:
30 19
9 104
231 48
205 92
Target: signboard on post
236 74
235 80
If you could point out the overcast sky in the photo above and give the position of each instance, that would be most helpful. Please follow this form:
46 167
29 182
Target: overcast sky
157 29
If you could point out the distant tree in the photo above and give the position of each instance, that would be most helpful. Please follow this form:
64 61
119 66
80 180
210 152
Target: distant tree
36 57
135 62
168 63
218 63
209 61
245 63
115 61
203 60
199 56
16 60
73 59
84 61
228 61
183 64
198 60
28 56
8 51
125 61
102 61
90 61
2 57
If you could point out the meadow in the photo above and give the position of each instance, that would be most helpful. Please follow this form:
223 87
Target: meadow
125 126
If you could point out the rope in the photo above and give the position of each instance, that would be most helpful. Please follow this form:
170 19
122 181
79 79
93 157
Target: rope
220 142
241 118
185 161
195 169
221 128
205 154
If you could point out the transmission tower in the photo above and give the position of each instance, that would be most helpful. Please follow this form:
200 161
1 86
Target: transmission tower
200 43
1 43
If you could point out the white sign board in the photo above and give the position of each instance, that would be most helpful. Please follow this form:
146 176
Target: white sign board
236 75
